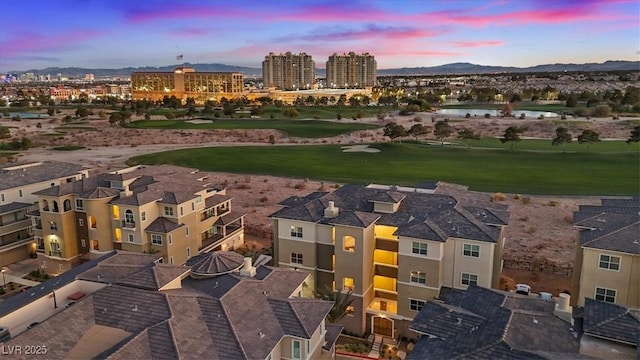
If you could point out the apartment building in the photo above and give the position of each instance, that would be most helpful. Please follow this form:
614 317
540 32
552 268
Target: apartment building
185 82
351 71
607 265
219 306
18 182
392 247
288 71
166 210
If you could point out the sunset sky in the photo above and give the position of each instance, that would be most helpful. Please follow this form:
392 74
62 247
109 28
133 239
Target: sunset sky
36 34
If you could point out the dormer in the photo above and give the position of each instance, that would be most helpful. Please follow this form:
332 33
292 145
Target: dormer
387 202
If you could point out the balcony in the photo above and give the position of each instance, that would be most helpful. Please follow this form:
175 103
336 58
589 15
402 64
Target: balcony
383 306
128 224
212 241
15 226
57 253
7 244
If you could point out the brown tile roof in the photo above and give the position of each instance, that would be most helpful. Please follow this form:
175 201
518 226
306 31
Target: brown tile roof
155 277
217 263
229 217
163 225
216 199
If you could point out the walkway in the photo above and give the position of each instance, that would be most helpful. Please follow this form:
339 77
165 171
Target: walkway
14 272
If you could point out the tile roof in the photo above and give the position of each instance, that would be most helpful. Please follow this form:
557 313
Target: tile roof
216 199
217 263
333 332
485 323
13 206
420 214
223 317
163 225
18 175
613 226
611 321
229 217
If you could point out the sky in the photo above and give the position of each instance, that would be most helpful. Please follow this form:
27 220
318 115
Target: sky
36 34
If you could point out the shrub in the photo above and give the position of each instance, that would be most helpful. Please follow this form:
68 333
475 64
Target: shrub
498 197
300 186
243 186
516 196
524 218
264 199
526 200
552 203
531 230
568 219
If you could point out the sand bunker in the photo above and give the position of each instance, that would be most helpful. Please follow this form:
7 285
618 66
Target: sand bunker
200 121
359 148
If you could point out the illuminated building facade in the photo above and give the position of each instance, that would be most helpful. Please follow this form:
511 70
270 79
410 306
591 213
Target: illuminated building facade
351 71
288 71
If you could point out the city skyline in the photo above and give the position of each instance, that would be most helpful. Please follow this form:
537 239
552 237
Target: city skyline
72 33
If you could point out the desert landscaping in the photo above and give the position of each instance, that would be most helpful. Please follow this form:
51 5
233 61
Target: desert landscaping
540 236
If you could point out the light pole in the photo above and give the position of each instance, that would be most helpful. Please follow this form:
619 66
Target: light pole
4 281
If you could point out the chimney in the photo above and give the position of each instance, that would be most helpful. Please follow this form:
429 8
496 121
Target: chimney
331 211
125 192
247 268
562 309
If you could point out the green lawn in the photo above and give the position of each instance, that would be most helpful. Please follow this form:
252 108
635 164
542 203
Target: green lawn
545 145
578 173
294 128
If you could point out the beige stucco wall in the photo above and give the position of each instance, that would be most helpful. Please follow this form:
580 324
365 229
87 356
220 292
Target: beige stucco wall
624 281
455 263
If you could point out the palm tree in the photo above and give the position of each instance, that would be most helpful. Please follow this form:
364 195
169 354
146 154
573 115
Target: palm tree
341 303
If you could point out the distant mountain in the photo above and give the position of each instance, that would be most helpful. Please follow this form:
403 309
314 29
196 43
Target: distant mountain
448 69
468 68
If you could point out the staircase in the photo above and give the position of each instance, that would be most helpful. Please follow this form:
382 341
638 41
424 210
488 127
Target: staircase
377 342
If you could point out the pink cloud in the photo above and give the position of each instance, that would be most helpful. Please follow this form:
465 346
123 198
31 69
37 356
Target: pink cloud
180 11
31 42
475 44
189 32
372 32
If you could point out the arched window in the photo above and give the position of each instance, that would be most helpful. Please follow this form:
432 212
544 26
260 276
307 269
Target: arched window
67 205
45 205
128 216
349 243
92 222
56 208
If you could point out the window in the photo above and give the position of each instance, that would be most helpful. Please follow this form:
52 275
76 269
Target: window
53 225
193 206
416 305
168 211
351 310
348 284
181 211
171 260
296 258
608 295
609 262
143 216
128 216
471 250
20 193
170 239
81 222
83 242
79 204
295 351
188 252
156 239
418 277
92 222
198 199
186 231
44 264
349 243
296 231
468 279
130 238
419 248
1 197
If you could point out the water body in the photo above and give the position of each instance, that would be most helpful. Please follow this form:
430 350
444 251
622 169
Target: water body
28 115
480 112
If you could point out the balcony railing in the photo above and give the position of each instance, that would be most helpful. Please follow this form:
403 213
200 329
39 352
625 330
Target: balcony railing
55 253
128 224
213 240
15 226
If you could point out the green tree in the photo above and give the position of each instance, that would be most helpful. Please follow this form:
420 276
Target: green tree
467 134
512 134
5 132
147 116
341 303
588 137
563 137
571 101
115 117
635 135
442 130
51 111
417 130
272 139
291 112
393 130
507 110
82 112
601 111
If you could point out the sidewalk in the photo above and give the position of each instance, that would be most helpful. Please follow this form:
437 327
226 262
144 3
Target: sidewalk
14 272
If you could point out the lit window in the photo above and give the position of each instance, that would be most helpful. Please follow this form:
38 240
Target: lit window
416 305
349 243
419 248
418 277
468 279
351 310
168 211
471 250
348 284
296 231
296 258
608 295
156 239
609 262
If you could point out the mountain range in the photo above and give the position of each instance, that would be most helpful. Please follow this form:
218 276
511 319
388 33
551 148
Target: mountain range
447 69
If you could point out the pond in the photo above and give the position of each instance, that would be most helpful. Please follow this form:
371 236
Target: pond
480 112
26 115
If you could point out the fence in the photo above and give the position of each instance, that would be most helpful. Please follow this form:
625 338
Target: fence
542 267
259 231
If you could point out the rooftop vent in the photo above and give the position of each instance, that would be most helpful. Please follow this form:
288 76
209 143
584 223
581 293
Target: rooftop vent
247 268
331 211
459 321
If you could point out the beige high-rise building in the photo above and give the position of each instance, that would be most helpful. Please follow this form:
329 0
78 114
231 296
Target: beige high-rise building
168 210
392 247
185 82
351 71
288 71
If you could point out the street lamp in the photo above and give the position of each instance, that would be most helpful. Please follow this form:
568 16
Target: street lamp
4 281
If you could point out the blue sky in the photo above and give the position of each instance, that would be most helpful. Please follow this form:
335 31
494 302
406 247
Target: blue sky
36 34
